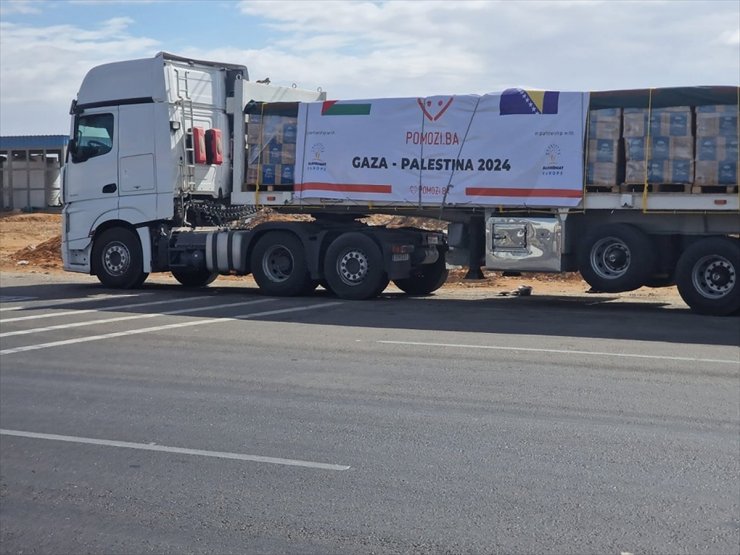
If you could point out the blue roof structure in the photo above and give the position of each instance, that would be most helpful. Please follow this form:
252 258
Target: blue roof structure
23 142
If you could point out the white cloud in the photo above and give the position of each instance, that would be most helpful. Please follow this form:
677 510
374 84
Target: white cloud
41 69
399 48
8 7
410 48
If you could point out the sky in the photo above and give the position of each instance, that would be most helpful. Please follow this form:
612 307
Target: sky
359 49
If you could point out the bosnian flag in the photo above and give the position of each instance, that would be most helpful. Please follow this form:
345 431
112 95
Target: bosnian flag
519 101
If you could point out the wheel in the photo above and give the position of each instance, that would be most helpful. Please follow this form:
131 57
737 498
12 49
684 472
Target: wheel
707 276
194 278
117 260
616 257
279 265
426 279
353 267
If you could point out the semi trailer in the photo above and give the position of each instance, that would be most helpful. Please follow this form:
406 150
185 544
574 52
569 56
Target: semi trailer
169 157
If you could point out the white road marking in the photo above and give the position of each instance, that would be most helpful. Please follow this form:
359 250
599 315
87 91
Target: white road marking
15 299
139 316
102 309
284 310
560 351
163 327
178 450
56 302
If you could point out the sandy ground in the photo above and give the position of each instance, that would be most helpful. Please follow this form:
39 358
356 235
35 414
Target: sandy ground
31 242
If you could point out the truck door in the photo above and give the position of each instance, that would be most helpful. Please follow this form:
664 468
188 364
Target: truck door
93 160
91 173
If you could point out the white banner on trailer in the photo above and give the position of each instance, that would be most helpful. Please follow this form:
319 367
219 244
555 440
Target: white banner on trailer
516 148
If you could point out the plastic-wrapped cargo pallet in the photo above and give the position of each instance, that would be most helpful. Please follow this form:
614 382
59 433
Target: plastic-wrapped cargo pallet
271 141
716 146
670 153
604 131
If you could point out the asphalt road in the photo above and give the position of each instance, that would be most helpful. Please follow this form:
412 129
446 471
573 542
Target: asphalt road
222 421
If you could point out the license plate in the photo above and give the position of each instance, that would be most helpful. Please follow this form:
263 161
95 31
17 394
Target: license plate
401 257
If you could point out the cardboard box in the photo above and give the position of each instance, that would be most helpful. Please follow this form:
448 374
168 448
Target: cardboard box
603 150
660 171
716 124
661 148
271 174
602 174
716 173
666 122
716 148
605 124
254 133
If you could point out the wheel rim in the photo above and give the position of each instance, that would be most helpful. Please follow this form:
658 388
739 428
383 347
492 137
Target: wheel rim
278 263
353 267
714 276
610 258
116 259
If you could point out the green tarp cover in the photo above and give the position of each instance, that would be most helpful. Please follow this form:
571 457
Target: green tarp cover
664 97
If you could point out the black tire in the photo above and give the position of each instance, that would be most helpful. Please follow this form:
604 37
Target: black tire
426 279
353 267
310 287
194 278
615 258
658 280
117 260
279 265
708 276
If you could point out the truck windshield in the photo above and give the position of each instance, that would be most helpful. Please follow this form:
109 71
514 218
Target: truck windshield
94 136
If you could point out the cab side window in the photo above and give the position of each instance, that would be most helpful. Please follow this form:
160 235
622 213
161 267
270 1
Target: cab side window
93 135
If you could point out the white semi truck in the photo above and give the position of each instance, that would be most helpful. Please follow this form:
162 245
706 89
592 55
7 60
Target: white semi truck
168 156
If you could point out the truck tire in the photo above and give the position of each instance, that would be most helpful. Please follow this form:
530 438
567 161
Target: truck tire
615 258
708 277
660 280
279 265
194 278
117 260
353 267
426 279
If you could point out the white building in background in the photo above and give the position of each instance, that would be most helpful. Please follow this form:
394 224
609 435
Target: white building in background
30 171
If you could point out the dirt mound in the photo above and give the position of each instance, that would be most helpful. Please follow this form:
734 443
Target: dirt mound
47 254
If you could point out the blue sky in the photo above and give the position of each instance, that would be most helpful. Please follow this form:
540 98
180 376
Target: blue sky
357 49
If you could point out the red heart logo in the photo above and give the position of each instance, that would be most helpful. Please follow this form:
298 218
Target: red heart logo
434 109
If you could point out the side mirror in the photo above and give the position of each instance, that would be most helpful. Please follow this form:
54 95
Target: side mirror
77 153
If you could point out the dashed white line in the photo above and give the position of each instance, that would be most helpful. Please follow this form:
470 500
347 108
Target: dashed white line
14 299
165 327
284 310
178 450
560 351
50 303
139 316
101 309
